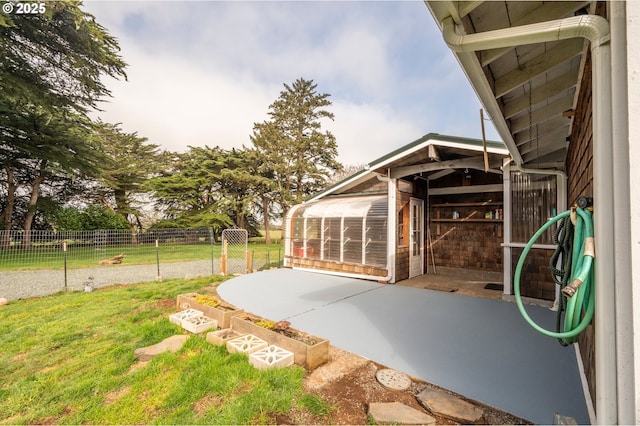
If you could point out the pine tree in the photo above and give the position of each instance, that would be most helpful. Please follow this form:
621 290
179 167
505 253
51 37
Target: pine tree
49 79
291 147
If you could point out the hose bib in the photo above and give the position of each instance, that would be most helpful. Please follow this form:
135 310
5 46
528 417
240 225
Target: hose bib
578 295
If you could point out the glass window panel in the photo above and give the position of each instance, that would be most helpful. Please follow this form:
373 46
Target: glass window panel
533 202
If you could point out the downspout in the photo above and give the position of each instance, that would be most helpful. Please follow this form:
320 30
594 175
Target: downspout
596 30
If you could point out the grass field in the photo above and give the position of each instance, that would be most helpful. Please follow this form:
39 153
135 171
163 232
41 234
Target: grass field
87 257
68 359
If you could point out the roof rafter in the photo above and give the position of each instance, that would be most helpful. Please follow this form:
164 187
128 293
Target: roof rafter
524 121
555 9
561 52
462 163
540 94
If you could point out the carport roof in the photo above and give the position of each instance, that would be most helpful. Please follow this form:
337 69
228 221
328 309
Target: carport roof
426 156
529 90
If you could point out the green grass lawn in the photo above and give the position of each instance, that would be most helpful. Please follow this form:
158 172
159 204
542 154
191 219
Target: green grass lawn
68 359
88 257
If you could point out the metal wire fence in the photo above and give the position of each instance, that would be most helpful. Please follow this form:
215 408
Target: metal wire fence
43 262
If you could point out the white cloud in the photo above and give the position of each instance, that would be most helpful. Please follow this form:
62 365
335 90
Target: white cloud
204 72
367 132
176 105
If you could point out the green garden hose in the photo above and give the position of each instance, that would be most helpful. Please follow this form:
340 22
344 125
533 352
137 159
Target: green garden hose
578 295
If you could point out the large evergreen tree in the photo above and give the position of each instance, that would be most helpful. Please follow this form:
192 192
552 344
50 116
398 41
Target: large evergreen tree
49 79
131 161
291 148
189 189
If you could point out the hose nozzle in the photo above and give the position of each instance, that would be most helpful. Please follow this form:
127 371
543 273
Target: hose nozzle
572 288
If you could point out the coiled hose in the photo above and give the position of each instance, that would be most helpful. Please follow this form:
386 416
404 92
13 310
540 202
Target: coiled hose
578 295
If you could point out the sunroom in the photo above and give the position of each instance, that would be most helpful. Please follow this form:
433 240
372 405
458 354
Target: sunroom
343 233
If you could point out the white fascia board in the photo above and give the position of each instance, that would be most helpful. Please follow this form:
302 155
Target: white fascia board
400 155
436 142
500 151
359 177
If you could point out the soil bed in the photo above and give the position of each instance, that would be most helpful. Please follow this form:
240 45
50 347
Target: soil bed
347 382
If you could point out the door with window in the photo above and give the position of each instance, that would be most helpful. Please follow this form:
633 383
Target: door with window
416 238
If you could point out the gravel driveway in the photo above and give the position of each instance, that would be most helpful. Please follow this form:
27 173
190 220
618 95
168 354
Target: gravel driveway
23 284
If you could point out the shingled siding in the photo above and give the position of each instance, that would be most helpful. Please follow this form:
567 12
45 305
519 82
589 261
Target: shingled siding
580 182
464 244
536 280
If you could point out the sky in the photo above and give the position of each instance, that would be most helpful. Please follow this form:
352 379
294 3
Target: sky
204 72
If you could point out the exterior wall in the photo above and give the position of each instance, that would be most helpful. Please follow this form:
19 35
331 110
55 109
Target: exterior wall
580 182
536 277
467 244
344 267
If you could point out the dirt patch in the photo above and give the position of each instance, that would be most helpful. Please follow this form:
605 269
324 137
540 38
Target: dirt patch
20 357
347 382
166 303
137 366
203 405
112 397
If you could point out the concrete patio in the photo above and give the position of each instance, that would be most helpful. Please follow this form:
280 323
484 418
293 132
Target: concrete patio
477 347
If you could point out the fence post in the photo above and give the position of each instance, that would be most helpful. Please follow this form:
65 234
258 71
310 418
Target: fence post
249 262
211 239
64 251
278 257
223 258
158 277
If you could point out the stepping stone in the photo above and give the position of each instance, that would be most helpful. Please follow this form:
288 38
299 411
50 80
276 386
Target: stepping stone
443 404
398 414
393 379
172 344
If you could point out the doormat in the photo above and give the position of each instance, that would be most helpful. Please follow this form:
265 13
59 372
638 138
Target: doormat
494 286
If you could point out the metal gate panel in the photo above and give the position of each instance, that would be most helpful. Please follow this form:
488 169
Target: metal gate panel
234 251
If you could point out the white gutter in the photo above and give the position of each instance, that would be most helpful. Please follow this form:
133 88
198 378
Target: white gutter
596 30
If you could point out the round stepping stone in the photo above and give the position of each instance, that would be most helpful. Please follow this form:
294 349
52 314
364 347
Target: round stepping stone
393 379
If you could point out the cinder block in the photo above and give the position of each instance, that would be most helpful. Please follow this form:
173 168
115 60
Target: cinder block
272 356
199 324
179 316
246 344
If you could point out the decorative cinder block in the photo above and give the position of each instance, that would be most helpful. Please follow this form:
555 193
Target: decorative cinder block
271 356
182 315
199 324
246 344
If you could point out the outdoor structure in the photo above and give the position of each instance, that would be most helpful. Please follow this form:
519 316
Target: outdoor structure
561 83
429 201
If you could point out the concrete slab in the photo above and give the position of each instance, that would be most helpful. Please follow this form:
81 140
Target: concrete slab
478 348
396 413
